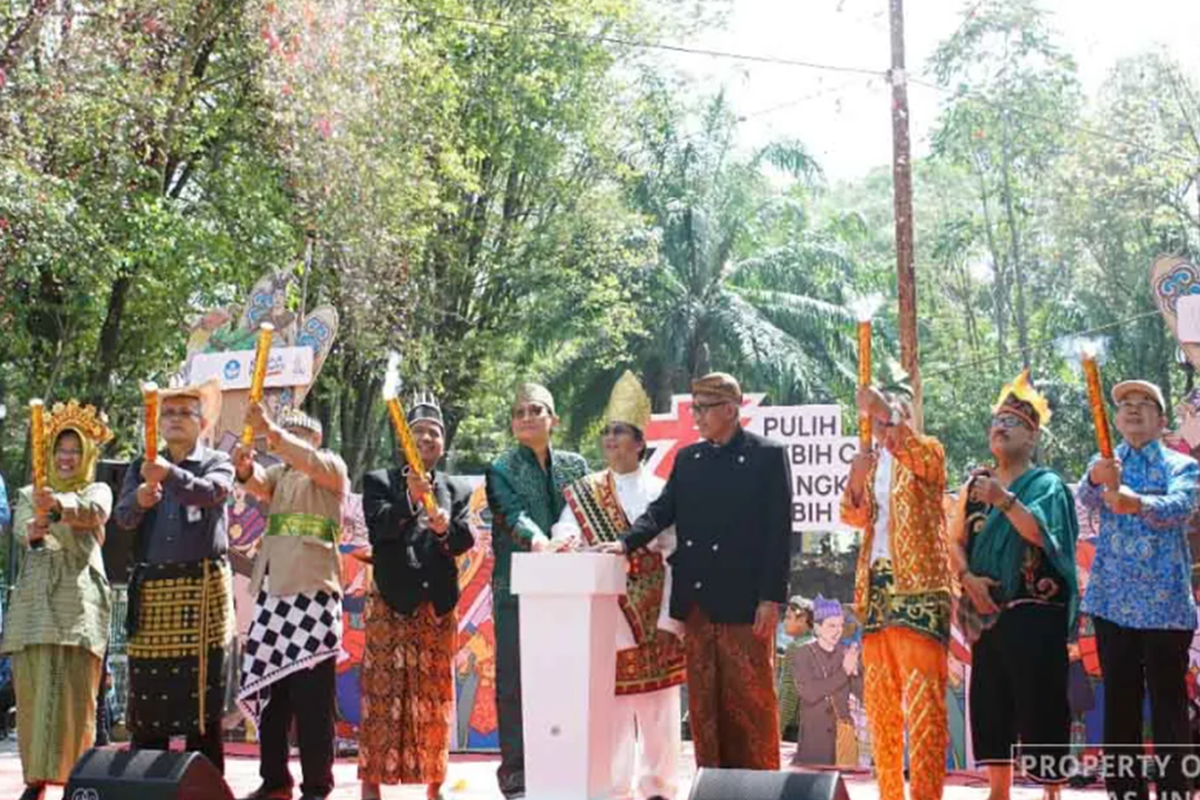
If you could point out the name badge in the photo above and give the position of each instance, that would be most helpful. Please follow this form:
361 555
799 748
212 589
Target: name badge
193 514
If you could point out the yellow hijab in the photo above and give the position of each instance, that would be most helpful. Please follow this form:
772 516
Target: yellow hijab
89 425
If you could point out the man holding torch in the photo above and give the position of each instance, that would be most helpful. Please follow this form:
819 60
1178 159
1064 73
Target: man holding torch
289 665
1139 595
902 591
180 619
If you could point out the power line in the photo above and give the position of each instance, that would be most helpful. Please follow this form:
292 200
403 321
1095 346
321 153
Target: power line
1035 346
648 45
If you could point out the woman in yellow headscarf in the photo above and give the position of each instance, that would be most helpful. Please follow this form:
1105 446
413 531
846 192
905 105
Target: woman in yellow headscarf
56 628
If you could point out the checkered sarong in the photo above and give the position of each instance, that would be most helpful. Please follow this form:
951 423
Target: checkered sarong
289 633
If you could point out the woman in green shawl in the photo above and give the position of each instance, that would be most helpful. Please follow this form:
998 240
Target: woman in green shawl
56 628
1013 549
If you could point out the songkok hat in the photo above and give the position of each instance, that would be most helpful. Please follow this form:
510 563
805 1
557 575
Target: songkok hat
628 403
534 393
718 384
209 395
423 407
1145 387
1022 400
824 609
295 418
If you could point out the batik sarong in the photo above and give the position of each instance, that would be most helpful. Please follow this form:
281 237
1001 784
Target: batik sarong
182 624
407 695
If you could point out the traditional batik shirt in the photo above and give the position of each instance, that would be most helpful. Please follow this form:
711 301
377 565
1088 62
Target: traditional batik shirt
1141 576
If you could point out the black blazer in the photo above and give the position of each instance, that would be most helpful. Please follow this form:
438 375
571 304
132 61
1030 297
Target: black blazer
732 511
414 565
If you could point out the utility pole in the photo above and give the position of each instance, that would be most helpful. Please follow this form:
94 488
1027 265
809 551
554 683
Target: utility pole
906 281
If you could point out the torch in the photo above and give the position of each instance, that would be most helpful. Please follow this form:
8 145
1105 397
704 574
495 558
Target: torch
408 445
37 449
261 356
1096 400
150 404
864 309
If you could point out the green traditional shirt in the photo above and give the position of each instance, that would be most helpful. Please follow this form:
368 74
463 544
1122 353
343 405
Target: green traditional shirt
525 500
62 595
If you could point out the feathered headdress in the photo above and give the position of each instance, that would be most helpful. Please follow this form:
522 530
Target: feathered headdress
1026 402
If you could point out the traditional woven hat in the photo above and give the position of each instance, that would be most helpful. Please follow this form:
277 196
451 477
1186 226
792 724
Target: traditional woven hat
209 395
295 418
719 384
628 403
534 393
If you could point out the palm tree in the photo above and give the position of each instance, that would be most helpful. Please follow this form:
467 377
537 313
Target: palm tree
734 286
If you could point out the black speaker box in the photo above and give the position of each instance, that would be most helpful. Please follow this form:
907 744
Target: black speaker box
104 774
749 784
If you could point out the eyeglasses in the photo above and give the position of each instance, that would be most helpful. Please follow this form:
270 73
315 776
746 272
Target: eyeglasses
1008 421
1137 405
532 411
616 429
178 413
700 409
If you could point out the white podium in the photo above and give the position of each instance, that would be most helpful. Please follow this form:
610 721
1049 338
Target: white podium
568 670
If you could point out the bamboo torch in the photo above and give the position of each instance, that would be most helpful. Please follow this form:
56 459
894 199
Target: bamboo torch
37 450
408 445
864 379
262 355
150 405
1096 400
864 310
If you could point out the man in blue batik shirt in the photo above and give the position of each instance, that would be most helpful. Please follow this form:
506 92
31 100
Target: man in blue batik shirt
1140 595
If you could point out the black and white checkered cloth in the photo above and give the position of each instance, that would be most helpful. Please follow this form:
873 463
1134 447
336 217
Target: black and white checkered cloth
289 633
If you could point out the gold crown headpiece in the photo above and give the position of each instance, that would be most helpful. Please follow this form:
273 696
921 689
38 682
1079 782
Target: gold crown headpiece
629 403
1021 389
72 416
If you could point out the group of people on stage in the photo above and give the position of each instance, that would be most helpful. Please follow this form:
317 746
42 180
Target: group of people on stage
1003 562
709 563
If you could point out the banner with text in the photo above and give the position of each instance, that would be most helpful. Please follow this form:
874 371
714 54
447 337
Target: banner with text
819 456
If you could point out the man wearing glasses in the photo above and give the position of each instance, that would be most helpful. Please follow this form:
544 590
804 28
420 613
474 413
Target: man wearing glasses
650 657
180 613
525 495
1139 595
729 498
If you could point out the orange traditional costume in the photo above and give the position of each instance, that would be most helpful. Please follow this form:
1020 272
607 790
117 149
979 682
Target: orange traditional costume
902 592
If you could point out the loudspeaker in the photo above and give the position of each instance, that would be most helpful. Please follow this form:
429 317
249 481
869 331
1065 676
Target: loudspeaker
104 774
749 784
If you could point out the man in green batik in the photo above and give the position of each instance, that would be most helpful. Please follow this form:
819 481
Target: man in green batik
525 495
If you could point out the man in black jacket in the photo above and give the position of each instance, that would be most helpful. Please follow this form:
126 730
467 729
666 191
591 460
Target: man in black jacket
729 498
412 630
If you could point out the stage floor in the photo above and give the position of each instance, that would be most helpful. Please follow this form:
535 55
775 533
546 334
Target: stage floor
473 777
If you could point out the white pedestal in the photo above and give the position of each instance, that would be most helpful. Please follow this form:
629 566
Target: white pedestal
568 670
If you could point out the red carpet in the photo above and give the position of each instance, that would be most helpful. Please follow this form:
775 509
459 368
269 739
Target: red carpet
473 777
